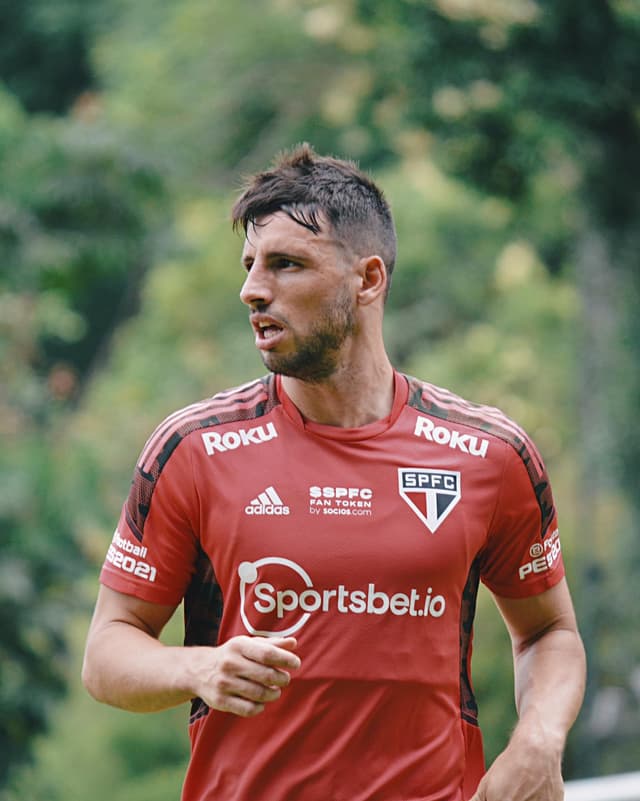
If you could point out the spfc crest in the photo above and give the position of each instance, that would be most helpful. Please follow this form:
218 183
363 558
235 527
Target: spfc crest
431 493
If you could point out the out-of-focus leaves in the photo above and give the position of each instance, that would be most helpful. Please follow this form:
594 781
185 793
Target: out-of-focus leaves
44 51
79 214
79 211
237 82
533 107
103 753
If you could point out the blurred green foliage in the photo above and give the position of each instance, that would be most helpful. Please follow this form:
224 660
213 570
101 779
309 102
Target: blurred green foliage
80 211
44 51
506 136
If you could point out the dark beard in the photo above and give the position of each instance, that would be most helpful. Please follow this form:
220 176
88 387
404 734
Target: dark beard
316 356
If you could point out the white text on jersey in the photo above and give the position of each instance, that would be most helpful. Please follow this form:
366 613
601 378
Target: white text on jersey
544 556
267 503
215 442
288 606
122 553
467 443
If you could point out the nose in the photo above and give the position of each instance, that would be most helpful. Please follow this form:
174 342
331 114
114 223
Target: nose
257 290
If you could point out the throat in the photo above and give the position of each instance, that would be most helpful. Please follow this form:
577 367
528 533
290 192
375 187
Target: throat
347 404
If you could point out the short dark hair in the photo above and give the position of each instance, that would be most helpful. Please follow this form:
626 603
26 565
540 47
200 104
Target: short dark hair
307 186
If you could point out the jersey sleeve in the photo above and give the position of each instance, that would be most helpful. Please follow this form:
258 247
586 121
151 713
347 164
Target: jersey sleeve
153 552
522 556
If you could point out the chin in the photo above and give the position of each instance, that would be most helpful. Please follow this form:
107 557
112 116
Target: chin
306 365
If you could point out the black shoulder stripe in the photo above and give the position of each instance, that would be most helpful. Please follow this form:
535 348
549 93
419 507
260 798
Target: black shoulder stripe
447 406
244 403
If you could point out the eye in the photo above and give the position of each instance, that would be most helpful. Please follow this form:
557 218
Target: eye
283 262
247 264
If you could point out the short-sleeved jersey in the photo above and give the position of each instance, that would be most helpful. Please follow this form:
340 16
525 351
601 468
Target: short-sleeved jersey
367 545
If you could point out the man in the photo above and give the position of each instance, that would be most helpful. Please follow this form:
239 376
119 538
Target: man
327 526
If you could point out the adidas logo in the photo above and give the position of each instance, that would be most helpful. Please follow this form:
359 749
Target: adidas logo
267 503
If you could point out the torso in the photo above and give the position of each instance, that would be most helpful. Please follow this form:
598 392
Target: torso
367 545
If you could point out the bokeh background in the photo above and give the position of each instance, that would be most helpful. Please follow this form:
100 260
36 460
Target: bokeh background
506 134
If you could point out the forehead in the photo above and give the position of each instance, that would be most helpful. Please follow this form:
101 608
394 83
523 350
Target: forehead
278 233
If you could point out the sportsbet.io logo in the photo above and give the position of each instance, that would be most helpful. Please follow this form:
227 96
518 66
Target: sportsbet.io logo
277 598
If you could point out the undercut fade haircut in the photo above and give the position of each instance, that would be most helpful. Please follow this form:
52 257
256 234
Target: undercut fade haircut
308 188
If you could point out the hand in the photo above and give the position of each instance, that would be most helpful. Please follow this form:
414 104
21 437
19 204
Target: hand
243 674
522 772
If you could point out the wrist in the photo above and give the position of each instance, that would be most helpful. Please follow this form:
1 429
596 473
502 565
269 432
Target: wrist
196 668
542 738
187 664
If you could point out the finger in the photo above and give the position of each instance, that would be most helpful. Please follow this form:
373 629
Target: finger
252 691
265 676
287 643
240 697
271 654
235 705
258 659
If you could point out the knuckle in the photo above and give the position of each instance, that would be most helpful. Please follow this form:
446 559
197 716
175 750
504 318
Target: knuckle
269 694
223 685
226 662
216 701
281 679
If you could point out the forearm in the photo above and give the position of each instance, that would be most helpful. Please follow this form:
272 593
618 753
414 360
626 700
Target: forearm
549 665
549 686
130 669
126 665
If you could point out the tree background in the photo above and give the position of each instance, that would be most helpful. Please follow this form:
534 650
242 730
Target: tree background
507 138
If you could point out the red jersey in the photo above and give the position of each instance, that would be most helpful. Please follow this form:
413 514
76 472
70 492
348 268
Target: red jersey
368 545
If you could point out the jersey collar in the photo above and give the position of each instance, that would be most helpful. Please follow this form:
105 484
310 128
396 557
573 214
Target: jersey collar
400 397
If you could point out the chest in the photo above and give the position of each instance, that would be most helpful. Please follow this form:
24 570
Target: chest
398 510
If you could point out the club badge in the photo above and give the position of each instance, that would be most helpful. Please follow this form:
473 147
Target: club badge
431 493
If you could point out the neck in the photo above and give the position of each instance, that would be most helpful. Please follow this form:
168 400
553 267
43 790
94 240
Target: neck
350 398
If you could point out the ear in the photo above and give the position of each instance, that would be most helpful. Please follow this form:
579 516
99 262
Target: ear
372 275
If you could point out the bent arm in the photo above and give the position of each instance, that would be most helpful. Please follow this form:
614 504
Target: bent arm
125 664
549 662
549 670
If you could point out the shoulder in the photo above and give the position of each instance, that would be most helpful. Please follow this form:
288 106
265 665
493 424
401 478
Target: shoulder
246 402
448 407
449 411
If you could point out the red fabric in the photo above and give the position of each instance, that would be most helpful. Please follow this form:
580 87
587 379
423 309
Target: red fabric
267 524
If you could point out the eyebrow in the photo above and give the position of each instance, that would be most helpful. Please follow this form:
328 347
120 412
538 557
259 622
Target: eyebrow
294 255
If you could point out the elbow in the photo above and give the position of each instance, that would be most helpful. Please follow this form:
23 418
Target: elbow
90 675
87 677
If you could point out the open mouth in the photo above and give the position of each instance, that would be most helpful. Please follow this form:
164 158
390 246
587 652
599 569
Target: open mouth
267 331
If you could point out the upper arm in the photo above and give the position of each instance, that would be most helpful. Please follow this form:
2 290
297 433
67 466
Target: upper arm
117 607
527 619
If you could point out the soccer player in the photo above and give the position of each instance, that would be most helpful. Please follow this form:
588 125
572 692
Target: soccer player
327 527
